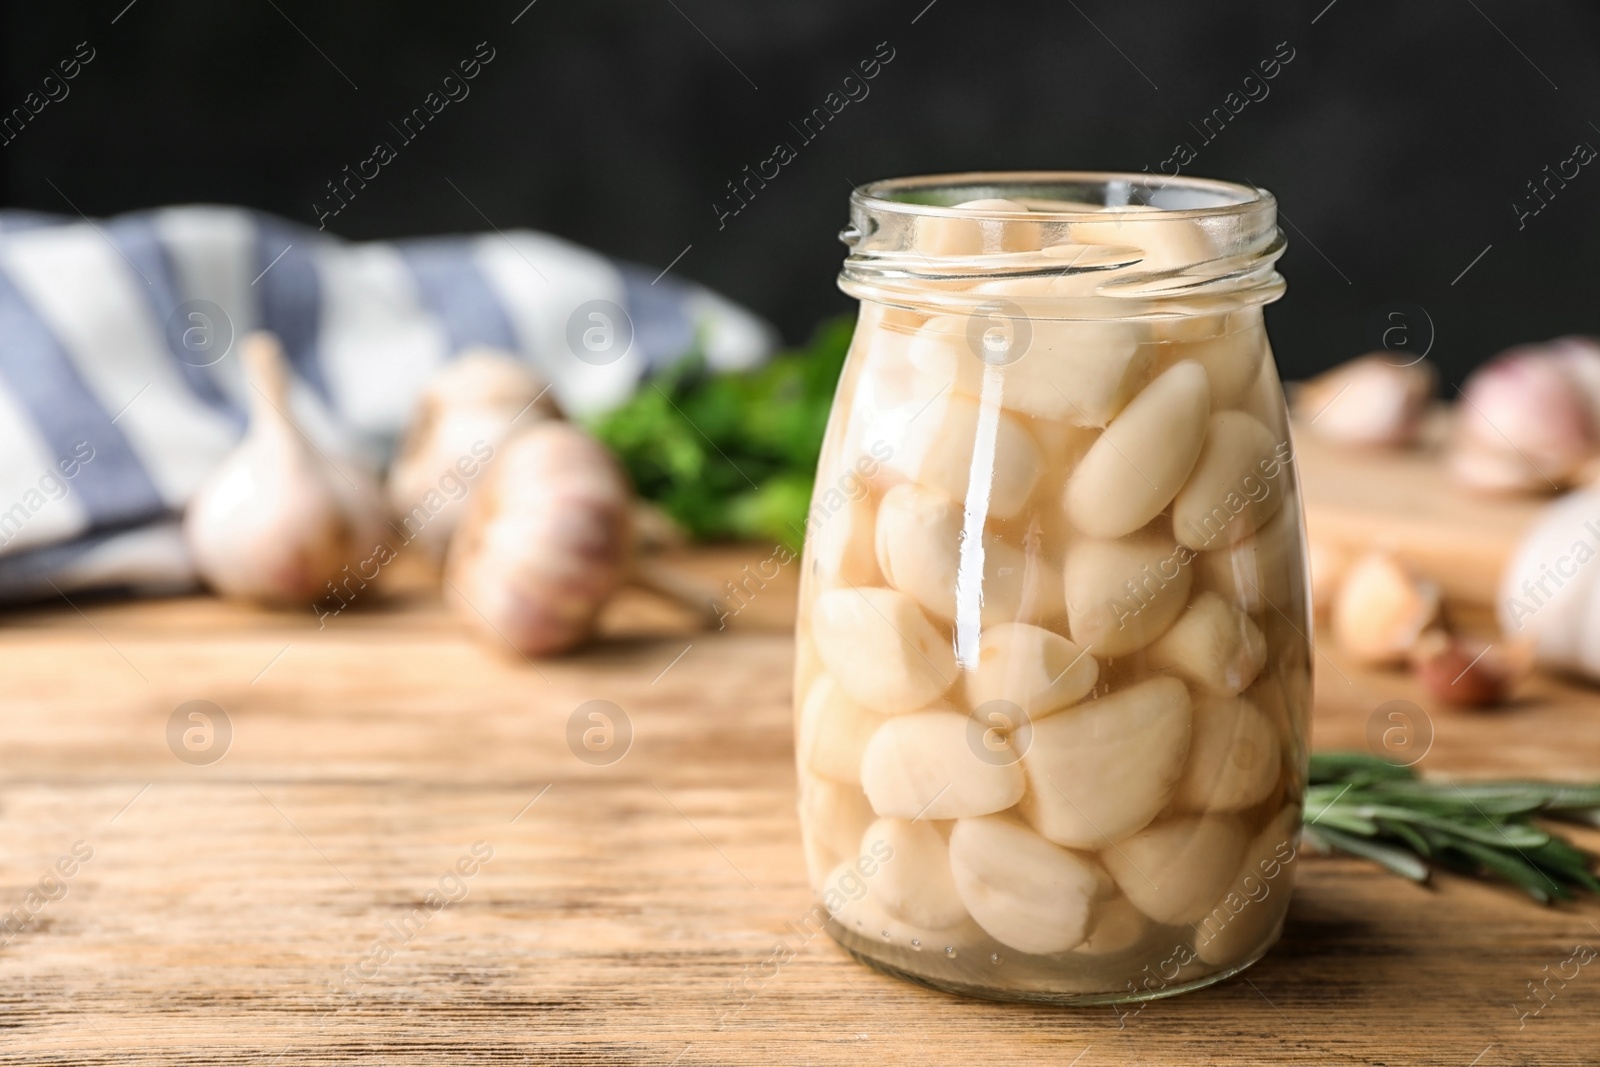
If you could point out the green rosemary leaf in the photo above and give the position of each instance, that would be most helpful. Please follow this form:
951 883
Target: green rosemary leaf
1397 860
1415 841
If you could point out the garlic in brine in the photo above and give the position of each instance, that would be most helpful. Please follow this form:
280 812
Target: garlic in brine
277 521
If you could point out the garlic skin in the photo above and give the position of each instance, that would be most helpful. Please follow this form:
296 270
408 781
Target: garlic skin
1368 401
546 539
1381 610
1549 590
1468 672
1529 421
276 522
467 409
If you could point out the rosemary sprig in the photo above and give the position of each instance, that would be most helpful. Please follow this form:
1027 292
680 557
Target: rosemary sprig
1371 808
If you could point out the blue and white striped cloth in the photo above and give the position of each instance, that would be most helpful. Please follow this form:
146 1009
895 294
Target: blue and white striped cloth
88 363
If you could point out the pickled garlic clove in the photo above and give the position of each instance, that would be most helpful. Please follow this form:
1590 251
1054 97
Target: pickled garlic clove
1237 484
881 648
1025 892
925 765
1079 372
1163 244
1123 594
1232 360
1233 757
846 895
834 731
918 538
1257 574
841 545
915 883
1117 927
934 445
1246 915
1036 669
945 235
1138 465
1212 645
1101 770
833 816
1175 870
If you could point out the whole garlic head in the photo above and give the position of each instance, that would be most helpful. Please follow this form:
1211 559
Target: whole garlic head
461 417
1530 419
1367 401
276 521
546 539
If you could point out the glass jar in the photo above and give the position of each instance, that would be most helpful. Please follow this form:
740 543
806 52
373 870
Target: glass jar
1053 665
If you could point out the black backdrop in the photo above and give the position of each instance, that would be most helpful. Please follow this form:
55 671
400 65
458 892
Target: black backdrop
1398 138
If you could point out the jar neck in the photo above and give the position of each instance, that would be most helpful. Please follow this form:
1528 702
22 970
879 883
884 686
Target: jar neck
1063 245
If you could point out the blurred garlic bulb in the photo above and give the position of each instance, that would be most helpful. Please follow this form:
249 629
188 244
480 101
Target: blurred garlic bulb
1380 610
276 522
1550 591
1530 419
546 539
464 413
1367 401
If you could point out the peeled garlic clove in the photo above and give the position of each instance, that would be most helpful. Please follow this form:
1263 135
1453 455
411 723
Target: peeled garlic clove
925 765
463 414
1381 610
1244 919
1141 461
841 545
1101 770
1237 484
1257 574
919 538
1078 372
833 816
1232 359
545 541
1174 870
946 235
881 648
1025 892
1213 645
935 445
1367 401
275 522
915 884
1123 594
1233 757
834 731
1117 927
1163 244
1036 669
846 895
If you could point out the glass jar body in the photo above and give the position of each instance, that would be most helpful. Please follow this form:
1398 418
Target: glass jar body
1052 657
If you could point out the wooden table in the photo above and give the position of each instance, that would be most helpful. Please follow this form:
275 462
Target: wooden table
229 911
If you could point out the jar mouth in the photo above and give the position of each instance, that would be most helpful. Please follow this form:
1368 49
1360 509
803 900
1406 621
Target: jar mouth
1063 244
1082 196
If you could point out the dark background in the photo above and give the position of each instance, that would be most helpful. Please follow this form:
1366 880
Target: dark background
1396 139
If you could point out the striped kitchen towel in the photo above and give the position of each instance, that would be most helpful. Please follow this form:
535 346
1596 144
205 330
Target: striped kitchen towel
119 392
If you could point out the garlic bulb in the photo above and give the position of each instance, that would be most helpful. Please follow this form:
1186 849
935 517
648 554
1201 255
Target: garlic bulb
458 422
1367 401
1380 610
546 539
276 522
1530 419
1548 593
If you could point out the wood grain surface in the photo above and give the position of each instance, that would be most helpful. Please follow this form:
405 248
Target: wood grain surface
229 912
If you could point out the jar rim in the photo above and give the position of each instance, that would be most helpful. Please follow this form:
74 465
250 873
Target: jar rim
1227 198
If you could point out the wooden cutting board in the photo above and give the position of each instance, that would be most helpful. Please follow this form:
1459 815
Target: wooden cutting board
1403 502
627 909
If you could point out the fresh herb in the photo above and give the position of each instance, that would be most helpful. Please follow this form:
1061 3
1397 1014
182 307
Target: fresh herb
732 456
1371 808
